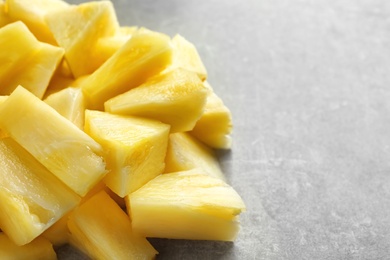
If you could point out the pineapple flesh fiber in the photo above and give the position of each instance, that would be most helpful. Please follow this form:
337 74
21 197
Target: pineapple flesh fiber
186 205
31 198
102 230
68 152
136 148
26 61
176 98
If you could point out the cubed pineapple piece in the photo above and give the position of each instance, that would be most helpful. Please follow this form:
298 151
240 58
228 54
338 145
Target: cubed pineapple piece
26 61
102 230
4 18
69 102
185 152
144 55
215 125
136 148
68 152
107 46
186 205
176 98
31 198
38 249
78 28
32 13
186 56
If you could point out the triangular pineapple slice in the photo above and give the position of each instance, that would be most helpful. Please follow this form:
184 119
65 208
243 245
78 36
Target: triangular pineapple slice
26 61
4 18
186 205
102 230
215 125
31 198
136 148
38 249
78 28
186 56
185 152
176 98
32 13
69 153
144 55
69 102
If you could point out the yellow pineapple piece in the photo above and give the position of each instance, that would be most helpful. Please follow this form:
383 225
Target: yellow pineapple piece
107 46
176 98
144 55
186 205
26 61
102 230
215 125
77 28
69 153
38 249
69 102
186 152
136 148
31 198
58 233
32 13
186 56
4 18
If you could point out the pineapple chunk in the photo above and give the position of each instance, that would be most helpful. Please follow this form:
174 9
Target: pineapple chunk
26 61
97 20
144 55
32 13
39 249
69 103
102 230
136 148
176 98
185 153
31 198
215 125
4 18
186 205
186 56
69 153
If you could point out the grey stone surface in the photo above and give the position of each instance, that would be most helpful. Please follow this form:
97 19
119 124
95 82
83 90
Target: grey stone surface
308 85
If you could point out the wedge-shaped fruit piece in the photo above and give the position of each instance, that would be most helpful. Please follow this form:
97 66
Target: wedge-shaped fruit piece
31 197
186 205
215 125
4 18
102 230
69 103
136 148
185 152
39 249
176 98
78 28
32 13
144 55
25 61
69 153
187 57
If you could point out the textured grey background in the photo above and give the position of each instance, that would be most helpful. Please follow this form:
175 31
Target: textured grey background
308 85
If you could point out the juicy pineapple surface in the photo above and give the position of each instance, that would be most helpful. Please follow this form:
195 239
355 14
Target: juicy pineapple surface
142 56
38 249
176 98
185 152
31 197
25 61
186 205
69 153
136 148
102 230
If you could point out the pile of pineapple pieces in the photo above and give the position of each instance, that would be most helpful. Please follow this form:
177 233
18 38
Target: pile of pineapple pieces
107 136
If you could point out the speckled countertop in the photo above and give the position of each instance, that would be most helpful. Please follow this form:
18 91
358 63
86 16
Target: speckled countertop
308 84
